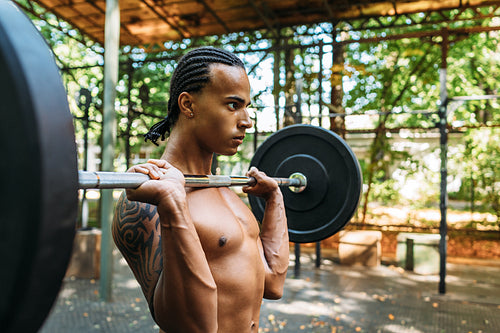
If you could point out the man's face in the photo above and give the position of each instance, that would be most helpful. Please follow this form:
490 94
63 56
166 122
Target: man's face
221 110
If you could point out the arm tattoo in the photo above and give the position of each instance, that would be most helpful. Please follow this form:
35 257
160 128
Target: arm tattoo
136 232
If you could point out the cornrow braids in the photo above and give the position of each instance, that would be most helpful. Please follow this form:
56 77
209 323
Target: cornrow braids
191 75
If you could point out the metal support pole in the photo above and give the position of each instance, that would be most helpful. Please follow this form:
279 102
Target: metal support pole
337 124
297 260
443 202
255 134
85 204
318 254
320 79
298 112
111 45
130 72
276 85
410 257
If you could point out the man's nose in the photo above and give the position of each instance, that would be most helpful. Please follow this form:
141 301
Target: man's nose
245 120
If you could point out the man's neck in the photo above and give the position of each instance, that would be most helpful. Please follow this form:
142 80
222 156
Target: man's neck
187 156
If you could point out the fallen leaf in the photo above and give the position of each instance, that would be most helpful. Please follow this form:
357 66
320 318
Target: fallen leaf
391 316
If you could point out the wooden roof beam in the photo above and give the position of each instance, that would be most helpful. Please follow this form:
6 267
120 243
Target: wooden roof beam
103 12
328 9
214 14
166 19
264 18
30 9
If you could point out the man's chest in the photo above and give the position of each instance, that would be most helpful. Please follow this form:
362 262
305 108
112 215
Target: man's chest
221 219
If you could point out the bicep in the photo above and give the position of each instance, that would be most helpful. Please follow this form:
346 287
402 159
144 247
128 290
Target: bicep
272 284
136 233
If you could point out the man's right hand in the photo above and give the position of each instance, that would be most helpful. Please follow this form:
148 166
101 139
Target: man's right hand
165 187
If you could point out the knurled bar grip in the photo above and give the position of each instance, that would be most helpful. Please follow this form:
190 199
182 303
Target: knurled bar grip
110 180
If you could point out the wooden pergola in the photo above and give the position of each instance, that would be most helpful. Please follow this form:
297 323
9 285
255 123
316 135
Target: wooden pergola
149 22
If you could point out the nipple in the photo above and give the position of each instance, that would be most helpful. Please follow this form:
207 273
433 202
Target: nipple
222 241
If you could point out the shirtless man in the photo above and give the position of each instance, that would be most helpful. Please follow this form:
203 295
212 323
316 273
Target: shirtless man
201 258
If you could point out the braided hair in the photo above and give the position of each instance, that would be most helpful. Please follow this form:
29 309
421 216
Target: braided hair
191 75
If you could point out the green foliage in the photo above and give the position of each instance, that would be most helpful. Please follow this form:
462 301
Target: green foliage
480 165
475 70
393 76
385 192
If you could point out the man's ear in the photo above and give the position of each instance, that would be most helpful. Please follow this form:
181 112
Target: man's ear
186 104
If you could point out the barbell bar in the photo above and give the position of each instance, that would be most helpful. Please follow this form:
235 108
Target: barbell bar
297 182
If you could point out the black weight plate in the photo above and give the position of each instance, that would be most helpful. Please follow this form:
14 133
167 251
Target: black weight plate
317 180
333 180
38 173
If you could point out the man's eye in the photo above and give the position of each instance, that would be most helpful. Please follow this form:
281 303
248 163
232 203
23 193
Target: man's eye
233 105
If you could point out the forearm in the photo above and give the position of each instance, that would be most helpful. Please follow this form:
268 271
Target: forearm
186 294
274 236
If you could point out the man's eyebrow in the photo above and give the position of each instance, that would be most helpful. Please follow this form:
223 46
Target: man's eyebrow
239 99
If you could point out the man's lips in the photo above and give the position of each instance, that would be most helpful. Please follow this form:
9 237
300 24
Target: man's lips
239 139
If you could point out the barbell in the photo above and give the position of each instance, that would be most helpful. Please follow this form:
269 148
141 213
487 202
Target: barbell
297 182
40 177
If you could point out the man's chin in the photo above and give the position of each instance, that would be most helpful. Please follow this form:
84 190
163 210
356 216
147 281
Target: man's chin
228 153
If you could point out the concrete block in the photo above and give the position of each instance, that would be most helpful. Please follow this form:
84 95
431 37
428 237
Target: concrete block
418 252
86 255
360 247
